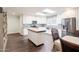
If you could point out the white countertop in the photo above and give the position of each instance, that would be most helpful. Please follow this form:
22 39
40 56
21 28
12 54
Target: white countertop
40 29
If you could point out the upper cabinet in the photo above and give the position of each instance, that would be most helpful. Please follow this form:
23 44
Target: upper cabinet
29 19
41 20
52 20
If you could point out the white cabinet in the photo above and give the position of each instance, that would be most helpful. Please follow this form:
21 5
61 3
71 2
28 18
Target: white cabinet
52 20
41 20
25 31
36 38
29 19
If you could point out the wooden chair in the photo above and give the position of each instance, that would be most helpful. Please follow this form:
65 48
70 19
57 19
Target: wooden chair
56 40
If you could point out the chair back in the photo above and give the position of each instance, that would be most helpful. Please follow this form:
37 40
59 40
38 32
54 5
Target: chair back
55 34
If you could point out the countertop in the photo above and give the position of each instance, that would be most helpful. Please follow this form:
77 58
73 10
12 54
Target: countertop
40 29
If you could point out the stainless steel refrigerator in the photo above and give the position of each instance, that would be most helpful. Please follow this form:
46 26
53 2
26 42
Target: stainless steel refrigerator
69 24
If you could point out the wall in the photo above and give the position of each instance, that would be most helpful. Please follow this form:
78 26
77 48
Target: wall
13 24
77 18
21 24
69 13
66 14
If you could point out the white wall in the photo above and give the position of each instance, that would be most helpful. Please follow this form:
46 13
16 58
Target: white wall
69 13
66 14
21 24
77 18
13 24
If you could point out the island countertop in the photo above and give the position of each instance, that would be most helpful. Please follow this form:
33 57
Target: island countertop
40 29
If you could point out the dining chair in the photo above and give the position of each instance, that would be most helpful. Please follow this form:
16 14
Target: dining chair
56 40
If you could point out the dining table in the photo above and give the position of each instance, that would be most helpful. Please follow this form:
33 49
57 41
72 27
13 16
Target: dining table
71 42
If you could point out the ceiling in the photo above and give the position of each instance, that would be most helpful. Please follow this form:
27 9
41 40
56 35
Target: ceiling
32 10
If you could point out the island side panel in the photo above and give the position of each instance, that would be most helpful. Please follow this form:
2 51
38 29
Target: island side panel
35 37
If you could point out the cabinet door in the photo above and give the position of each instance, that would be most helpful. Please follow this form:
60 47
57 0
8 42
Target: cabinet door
1 32
27 20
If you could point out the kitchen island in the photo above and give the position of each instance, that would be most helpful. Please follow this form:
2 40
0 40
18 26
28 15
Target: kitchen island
35 35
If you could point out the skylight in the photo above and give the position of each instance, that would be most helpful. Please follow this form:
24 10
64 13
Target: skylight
45 12
48 11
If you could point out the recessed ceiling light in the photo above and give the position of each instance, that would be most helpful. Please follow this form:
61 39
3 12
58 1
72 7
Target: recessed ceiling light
39 13
48 11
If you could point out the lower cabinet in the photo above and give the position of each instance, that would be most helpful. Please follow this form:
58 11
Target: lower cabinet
36 38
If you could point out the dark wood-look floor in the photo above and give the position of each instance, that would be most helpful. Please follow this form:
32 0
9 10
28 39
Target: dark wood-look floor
18 43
